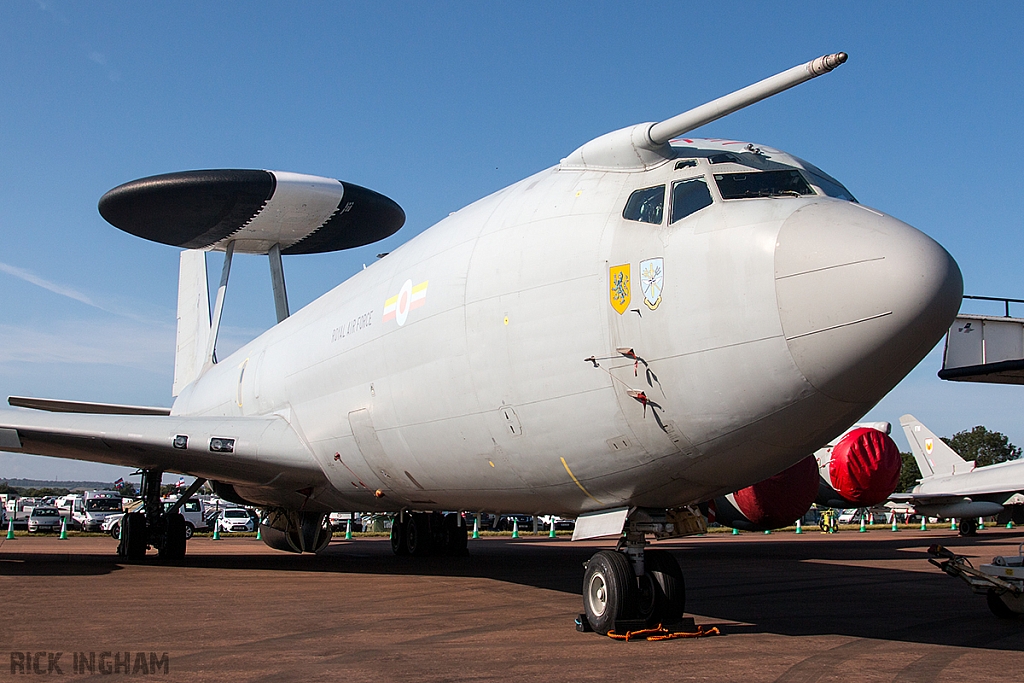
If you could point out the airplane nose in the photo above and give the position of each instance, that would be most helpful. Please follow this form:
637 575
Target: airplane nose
862 297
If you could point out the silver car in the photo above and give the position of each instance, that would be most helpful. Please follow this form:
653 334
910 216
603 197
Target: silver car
44 519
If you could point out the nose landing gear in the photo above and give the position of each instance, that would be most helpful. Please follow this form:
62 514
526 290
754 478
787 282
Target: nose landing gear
632 588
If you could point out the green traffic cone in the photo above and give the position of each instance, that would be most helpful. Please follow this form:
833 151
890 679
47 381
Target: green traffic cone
799 530
10 528
924 525
894 523
515 528
476 528
735 531
348 530
551 534
216 532
259 532
952 524
63 529
767 531
863 526
981 523
1009 525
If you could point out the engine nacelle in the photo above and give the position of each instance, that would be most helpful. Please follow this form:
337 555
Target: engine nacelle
295 532
770 504
860 469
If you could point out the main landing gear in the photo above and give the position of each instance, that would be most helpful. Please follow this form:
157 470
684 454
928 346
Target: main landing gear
153 526
425 533
631 588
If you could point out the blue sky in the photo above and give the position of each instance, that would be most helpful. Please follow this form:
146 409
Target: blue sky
439 104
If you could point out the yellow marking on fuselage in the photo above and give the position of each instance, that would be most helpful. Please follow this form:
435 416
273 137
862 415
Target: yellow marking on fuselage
566 466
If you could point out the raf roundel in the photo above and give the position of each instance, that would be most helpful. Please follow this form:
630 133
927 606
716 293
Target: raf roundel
409 297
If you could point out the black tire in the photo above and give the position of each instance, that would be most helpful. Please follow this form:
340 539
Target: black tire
417 534
968 527
115 532
398 529
134 538
172 549
669 585
998 607
609 590
189 531
454 535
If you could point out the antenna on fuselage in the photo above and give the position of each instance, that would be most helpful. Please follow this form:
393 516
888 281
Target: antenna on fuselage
242 211
645 145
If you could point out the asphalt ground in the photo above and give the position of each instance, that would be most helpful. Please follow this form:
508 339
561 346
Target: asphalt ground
810 607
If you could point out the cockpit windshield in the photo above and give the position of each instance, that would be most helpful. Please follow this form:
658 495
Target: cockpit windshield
762 184
830 187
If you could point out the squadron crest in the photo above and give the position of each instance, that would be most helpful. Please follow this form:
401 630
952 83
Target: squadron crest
652 281
618 280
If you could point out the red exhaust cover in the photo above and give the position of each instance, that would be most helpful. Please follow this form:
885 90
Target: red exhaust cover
780 500
865 467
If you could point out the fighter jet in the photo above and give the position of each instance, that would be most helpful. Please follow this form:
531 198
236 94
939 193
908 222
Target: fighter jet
951 487
654 321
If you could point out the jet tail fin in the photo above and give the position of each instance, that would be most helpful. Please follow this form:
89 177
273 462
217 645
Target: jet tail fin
934 458
193 319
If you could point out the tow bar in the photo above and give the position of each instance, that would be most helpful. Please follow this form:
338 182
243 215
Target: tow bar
1001 582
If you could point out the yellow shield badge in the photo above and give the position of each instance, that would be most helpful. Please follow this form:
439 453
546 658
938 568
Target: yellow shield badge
618 280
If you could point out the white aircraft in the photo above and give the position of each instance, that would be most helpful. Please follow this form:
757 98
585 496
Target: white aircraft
654 321
951 487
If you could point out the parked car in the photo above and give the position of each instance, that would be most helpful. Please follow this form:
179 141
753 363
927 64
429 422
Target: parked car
339 521
507 522
236 520
44 519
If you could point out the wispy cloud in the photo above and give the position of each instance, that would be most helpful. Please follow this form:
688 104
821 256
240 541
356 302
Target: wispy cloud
102 60
45 6
116 343
30 277
74 294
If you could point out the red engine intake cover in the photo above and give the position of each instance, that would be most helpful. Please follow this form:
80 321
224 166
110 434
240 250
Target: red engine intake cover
780 500
865 467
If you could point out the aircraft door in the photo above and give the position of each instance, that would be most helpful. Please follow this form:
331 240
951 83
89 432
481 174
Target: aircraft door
374 454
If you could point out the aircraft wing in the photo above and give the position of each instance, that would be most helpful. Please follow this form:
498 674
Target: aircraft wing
927 498
247 450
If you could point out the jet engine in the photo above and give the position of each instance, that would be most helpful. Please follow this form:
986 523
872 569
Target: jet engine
295 532
770 504
861 469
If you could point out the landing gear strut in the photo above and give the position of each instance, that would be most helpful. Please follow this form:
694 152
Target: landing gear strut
425 533
631 588
164 530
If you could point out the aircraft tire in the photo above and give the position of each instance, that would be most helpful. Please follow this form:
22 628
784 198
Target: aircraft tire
172 548
999 607
609 590
417 534
968 526
455 535
670 587
134 537
398 531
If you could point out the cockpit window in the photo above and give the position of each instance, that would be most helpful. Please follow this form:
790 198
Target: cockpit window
646 206
762 184
830 187
689 196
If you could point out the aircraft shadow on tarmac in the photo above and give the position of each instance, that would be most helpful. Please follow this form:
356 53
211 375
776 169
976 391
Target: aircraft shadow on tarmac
782 586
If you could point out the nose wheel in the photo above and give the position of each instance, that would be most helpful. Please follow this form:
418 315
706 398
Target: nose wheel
616 598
